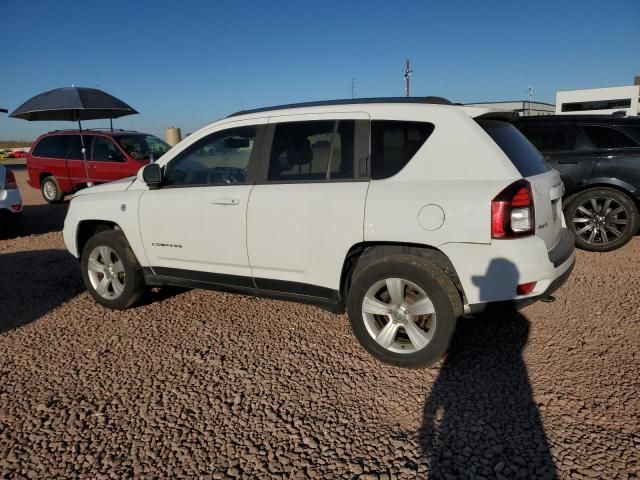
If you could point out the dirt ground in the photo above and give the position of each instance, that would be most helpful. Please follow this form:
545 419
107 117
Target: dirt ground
200 384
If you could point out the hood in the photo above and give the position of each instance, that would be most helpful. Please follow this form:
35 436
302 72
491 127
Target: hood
115 186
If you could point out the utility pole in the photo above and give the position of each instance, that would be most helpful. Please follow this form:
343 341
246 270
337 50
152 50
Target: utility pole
530 92
407 76
353 87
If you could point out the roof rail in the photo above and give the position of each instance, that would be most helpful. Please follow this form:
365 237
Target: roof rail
90 130
348 101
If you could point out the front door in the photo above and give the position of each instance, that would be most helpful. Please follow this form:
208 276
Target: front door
194 226
106 161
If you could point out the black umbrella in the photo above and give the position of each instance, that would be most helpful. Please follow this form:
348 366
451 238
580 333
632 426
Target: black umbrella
3 110
73 104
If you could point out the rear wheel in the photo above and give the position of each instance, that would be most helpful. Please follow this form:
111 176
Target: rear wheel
403 310
51 190
602 219
110 270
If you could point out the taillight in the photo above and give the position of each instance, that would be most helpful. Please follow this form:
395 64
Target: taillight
512 212
526 288
10 181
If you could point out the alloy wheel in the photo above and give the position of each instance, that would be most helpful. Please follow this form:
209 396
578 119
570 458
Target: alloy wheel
106 272
49 190
600 220
399 315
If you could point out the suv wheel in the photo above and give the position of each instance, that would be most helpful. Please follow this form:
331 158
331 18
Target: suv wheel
602 219
403 310
51 190
110 270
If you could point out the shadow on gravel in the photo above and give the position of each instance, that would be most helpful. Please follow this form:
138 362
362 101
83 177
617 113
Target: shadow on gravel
480 417
36 220
35 282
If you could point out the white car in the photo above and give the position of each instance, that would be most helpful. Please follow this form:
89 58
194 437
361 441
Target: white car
404 212
10 200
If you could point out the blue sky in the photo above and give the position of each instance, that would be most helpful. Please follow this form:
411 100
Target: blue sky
188 63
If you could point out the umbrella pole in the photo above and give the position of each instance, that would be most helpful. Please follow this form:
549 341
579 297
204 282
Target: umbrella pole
84 155
111 123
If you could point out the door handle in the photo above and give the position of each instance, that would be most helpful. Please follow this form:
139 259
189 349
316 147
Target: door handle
225 201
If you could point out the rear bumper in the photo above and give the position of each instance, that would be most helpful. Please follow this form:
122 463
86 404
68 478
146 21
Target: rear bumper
10 198
490 273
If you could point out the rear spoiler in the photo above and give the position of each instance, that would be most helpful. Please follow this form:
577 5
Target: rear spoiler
498 115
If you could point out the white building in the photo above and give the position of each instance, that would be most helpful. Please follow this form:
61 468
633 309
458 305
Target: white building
603 101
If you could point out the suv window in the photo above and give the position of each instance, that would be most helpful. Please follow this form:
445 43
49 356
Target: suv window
607 137
551 137
524 156
104 150
394 143
53 147
312 151
222 157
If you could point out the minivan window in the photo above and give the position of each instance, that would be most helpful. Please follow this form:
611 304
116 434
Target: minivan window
51 147
104 150
221 158
607 137
524 156
551 137
74 146
143 147
312 151
394 143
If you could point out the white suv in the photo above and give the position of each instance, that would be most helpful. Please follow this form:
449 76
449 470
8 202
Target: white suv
404 212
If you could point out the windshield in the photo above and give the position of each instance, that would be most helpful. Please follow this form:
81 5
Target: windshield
143 147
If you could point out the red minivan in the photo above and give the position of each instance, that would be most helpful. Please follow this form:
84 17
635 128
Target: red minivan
57 167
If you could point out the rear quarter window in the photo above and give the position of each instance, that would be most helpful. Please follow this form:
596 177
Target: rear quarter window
524 156
50 147
394 143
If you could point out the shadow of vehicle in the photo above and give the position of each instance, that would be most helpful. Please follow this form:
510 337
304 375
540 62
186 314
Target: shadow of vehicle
35 220
480 417
35 282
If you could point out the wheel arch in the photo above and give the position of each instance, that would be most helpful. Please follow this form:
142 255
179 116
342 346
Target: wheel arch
88 228
613 183
362 253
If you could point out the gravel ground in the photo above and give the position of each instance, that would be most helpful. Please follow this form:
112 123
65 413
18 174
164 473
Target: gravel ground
202 384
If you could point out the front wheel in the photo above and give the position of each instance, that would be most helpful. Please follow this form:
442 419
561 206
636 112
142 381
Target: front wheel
110 271
602 219
403 310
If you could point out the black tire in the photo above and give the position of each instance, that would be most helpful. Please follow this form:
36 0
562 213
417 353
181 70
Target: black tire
51 190
620 208
133 279
425 275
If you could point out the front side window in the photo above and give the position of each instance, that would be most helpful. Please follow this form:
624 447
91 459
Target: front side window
143 147
394 143
312 151
221 158
104 150
606 137
551 137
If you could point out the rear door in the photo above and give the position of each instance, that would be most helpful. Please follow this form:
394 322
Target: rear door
307 209
545 182
565 148
617 155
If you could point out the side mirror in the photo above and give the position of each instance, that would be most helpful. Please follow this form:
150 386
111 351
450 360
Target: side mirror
151 175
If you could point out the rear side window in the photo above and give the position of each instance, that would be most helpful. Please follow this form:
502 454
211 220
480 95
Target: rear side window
53 147
74 146
607 137
551 137
524 156
312 151
393 145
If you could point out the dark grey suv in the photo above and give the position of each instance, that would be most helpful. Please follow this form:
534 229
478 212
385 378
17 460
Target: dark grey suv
598 157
